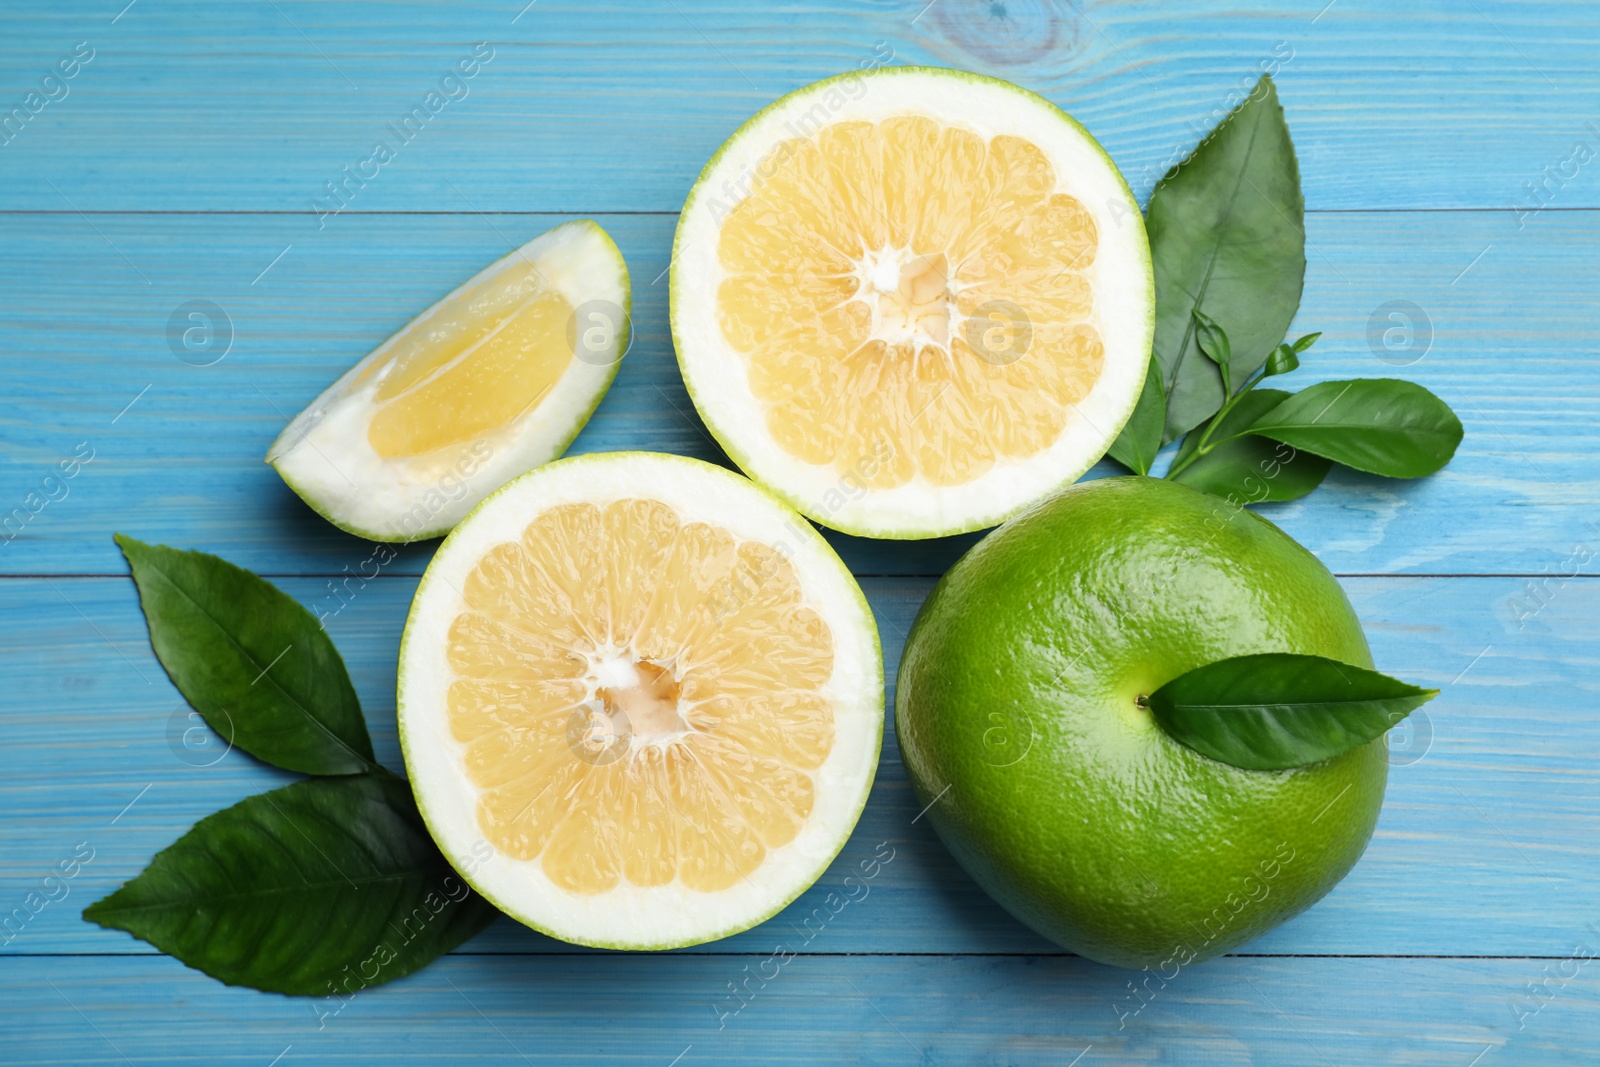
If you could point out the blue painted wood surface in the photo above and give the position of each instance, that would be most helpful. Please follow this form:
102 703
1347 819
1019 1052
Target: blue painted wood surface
180 165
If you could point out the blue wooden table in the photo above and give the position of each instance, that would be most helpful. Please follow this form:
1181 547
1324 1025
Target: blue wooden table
186 159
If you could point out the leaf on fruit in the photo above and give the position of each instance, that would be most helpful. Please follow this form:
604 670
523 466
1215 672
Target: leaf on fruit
1277 710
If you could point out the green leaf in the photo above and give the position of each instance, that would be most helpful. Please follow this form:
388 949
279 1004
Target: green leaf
1136 446
1282 360
1306 341
1227 237
251 660
1254 470
1277 710
325 886
1213 340
1246 410
1249 469
1379 425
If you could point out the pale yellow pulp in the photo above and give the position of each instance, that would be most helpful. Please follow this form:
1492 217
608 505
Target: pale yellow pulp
911 299
640 698
480 360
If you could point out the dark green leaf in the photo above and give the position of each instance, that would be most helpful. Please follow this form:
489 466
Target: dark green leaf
1250 470
250 659
1136 446
1227 237
1213 340
1277 710
1254 470
1306 341
1379 425
1282 360
325 886
1249 407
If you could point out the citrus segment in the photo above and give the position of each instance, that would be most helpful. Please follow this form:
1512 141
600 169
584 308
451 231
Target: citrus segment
495 378
645 681
927 281
488 382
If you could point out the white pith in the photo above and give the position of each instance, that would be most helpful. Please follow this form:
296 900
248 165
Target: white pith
897 316
1120 276
325 456
630 916
608 733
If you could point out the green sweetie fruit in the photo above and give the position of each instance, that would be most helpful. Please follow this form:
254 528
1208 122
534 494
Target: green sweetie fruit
1019 717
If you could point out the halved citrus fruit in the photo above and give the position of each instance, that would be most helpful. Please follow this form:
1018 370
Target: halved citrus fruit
640 701
911 301
494 379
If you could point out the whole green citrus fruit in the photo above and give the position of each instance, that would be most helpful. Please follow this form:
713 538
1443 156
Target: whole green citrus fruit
1019 717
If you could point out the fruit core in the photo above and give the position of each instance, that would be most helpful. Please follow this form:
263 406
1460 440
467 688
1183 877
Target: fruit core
640 698
909 296
912 283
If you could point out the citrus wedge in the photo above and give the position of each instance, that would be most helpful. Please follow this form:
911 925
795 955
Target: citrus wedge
640 701
493 380
910 301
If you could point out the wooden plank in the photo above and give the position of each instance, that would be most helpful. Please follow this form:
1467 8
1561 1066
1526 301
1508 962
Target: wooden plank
1487 843
178 447
636 1009
615 106
1490 806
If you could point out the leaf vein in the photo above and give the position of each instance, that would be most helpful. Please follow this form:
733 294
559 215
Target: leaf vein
254 662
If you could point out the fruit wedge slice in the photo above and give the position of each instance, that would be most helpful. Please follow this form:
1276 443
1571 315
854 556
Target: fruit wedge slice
911 301
493 380
640 701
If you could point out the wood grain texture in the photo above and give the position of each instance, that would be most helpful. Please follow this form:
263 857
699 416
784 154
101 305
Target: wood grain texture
1000 1011
181 165
614 106
1490 802
183 464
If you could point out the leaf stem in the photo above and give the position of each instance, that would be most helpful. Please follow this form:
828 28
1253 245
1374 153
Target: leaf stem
1206 444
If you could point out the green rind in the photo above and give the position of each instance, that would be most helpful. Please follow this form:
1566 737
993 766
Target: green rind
1017 714
860 806
580 420
723 439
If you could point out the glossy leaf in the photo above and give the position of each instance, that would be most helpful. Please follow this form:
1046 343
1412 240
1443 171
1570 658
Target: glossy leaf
1136 446
1282 360
1227 237
1379 425
326 886
1254 470
251 660
1249 469
1305 341
1213 340
1246 409
1277 710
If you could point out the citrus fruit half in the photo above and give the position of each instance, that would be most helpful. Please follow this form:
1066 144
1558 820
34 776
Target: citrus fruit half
912 300
640 701
494 379
1019 719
